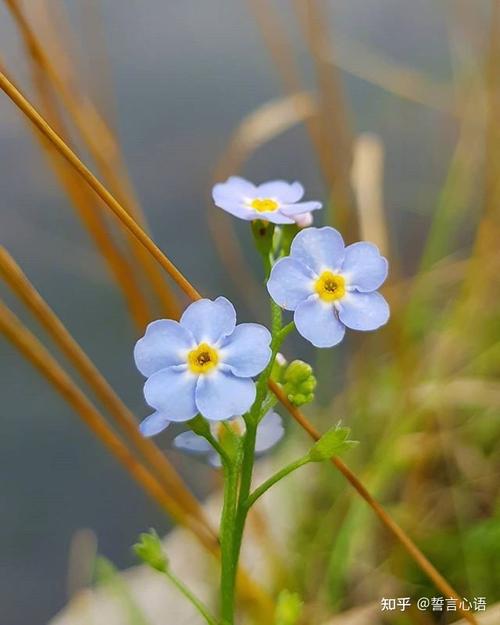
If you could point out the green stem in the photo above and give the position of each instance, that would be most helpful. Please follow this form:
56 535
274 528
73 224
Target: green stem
228 562
265 486
202 609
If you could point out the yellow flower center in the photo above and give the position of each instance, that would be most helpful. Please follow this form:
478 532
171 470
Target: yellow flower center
330 286
264 205
202 359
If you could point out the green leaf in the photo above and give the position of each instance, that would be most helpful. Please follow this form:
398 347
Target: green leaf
149 549
332 443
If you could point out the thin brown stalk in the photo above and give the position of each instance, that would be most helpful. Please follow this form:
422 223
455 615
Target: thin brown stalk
427 567
85 204
182 281
164 471
40 357
129 222
102 146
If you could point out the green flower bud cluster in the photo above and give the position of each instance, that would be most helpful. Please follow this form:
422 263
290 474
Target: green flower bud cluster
149 549
299 383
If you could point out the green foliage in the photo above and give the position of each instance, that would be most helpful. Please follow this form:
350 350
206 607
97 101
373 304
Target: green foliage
288 608
299 382
332 443
149 550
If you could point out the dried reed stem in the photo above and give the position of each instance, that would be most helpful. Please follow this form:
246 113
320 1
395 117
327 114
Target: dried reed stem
186 286
411 548
164 471
90 214
102 147
40 357
129 222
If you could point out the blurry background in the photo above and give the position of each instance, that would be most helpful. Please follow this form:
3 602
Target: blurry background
176 79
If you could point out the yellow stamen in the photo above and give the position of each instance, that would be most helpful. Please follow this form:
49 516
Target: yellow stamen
330 286
264 205
202 359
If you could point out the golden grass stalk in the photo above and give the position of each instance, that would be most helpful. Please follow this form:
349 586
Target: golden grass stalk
90 214
113 204
164 471
186 286
41 358
101 145
411 548
367 181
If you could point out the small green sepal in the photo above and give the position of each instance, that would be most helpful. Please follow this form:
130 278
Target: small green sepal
332 443
149 549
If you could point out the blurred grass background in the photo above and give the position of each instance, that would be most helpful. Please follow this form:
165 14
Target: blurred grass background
176 80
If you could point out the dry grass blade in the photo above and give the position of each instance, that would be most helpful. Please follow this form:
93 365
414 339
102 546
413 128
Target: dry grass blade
180 279
386 519
129 222
367 181
165 472
39 356
101 144
89 213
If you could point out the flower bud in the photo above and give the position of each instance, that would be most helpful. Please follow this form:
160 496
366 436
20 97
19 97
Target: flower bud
288 608
149 550
299 383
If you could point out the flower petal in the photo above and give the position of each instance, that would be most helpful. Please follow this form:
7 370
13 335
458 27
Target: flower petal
164 344
275 217
209 320
269 432
246 351
364 268
281 190
235 188
317 322
319 248
363 311
172 392
238 209
154 424
293 210
290 283
221 395
192 443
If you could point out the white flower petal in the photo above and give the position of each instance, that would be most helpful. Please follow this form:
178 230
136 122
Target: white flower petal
364 268
283 191
319 248
164 344
363 311
154 424
221 395
317 322
209 321
290 283
172 392
269 432
246 351
192 443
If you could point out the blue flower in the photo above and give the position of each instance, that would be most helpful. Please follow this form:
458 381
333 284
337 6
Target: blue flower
330 286
202 364
269 432
275 201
